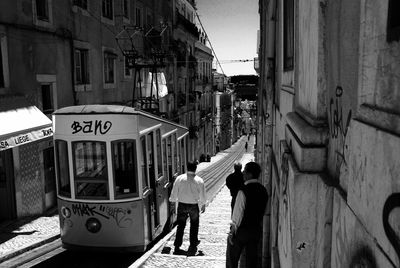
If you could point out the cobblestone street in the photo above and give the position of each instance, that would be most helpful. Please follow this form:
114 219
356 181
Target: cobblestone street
214 227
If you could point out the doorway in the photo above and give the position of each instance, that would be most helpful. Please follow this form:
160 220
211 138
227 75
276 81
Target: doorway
7 188
49 178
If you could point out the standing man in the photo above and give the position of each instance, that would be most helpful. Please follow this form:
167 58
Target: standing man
247 218
190 194
234 181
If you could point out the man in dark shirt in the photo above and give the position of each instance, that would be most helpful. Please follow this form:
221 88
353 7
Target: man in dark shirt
247 218
234 181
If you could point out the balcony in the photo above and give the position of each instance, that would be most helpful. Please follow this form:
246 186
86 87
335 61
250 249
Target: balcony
189 27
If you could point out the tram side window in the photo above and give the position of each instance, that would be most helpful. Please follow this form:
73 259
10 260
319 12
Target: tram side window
169 145
178 163
175 153
165 164
124 164
64 186
183 158
159 156
90 169
143 163
150 152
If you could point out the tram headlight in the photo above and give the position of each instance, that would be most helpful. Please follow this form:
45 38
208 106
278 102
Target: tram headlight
93 225
65 212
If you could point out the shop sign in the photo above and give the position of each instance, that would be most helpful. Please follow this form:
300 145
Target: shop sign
25 138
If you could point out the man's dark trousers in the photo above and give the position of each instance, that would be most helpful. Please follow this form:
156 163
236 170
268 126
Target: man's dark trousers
244 239
185 211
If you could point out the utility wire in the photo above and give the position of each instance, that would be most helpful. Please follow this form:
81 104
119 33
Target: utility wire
215 54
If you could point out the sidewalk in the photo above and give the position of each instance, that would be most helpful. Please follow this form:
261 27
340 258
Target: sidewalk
214 227
19 236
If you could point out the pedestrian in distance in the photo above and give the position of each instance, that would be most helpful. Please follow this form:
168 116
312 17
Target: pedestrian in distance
247 218
190 195
245 146
234 181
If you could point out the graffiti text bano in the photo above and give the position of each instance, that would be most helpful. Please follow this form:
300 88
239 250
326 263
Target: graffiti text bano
93 126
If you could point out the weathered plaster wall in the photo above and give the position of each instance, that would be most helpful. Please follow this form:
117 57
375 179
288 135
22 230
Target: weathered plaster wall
363 155
380 62
342 55
304 217
374 170
308 92
352 244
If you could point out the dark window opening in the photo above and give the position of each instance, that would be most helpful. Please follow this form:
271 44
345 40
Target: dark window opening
109 59
81 67
2 83
125 7
47 98
393 21
127 70
81 3
42 10
138 19
288 35
107 9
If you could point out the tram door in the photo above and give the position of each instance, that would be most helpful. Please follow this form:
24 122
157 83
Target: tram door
152 176
148 192
161 182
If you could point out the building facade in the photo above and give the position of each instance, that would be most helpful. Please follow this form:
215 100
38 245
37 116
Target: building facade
62 53
329 108
204 92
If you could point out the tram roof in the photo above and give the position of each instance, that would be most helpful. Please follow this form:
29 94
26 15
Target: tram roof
109 109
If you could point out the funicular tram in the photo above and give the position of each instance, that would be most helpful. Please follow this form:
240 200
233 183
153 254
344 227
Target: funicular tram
115 167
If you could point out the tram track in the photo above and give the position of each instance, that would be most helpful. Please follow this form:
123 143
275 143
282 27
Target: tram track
214 173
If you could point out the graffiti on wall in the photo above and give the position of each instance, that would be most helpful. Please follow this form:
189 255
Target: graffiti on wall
338 126
284 229
392 202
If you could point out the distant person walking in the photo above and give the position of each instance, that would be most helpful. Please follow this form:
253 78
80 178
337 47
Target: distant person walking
247 218
234 181
190 194
245 146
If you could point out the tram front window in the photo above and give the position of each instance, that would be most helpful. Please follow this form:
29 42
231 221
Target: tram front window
90 170
124 164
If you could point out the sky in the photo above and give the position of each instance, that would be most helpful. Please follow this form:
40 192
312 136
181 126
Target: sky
231 26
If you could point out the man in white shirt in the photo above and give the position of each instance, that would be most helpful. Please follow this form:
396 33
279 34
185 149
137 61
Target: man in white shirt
190 194
247 218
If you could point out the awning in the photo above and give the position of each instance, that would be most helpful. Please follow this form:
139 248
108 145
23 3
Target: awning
23 125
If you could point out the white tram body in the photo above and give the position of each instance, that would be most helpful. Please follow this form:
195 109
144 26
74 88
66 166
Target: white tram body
115 167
